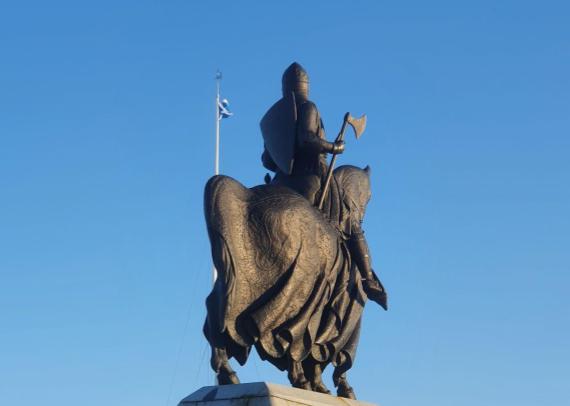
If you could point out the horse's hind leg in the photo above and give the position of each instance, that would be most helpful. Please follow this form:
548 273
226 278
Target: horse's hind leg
297 376
343 389
221 366
313 372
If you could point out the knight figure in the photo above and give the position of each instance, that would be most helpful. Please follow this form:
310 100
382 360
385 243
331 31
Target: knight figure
296 150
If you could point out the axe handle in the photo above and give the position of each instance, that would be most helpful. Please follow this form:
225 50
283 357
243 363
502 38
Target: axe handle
339 138
327 182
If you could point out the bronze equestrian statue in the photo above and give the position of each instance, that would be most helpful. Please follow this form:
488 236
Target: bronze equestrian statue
293 277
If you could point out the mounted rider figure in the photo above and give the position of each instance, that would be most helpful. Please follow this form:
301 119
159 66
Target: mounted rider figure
295 149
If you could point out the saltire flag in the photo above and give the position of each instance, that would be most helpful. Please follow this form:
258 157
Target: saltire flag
223 111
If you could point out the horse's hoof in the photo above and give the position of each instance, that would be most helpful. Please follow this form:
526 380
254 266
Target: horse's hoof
345 391
320 387
227 378
302 384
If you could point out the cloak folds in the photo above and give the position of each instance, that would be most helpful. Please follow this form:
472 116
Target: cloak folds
286 281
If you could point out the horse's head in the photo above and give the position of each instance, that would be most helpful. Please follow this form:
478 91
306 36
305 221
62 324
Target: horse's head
355 186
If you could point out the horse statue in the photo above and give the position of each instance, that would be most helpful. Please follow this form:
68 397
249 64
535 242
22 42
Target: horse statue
287 284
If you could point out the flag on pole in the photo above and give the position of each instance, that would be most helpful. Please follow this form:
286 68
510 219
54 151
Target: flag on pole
223 111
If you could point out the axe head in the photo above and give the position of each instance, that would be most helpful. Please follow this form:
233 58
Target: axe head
357 124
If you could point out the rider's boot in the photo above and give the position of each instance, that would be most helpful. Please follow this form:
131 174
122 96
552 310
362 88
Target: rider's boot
370 282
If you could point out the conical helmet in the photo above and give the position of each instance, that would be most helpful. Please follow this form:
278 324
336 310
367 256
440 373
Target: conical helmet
295 79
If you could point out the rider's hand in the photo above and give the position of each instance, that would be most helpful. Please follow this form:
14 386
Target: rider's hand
338 147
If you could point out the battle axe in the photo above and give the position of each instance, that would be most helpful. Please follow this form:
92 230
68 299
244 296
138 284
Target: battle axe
358 125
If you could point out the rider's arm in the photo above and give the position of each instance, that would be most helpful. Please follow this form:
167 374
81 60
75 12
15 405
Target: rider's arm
308 137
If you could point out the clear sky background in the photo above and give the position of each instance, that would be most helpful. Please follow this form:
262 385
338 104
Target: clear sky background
107 138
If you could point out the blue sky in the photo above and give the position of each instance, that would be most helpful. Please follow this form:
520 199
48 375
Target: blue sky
106 141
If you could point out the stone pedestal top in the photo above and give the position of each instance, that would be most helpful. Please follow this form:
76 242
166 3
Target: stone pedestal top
263 394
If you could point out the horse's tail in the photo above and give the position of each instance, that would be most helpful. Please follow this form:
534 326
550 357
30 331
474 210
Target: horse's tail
225 202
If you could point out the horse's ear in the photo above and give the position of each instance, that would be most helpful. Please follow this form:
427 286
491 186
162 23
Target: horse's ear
367 170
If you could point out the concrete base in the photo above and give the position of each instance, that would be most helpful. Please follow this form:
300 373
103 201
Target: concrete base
263 394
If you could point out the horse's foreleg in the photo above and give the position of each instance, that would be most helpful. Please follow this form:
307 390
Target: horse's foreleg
221 366
313 372
297 376
343 389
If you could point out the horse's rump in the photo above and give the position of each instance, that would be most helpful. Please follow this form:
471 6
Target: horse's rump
277 260
286 282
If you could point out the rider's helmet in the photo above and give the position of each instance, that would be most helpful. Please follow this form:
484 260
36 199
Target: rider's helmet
295 79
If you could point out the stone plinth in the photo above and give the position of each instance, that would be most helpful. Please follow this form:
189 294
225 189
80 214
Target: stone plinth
263 394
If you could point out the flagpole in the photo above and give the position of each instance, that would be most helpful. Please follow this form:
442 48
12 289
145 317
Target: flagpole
217 156
217 164
217 151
